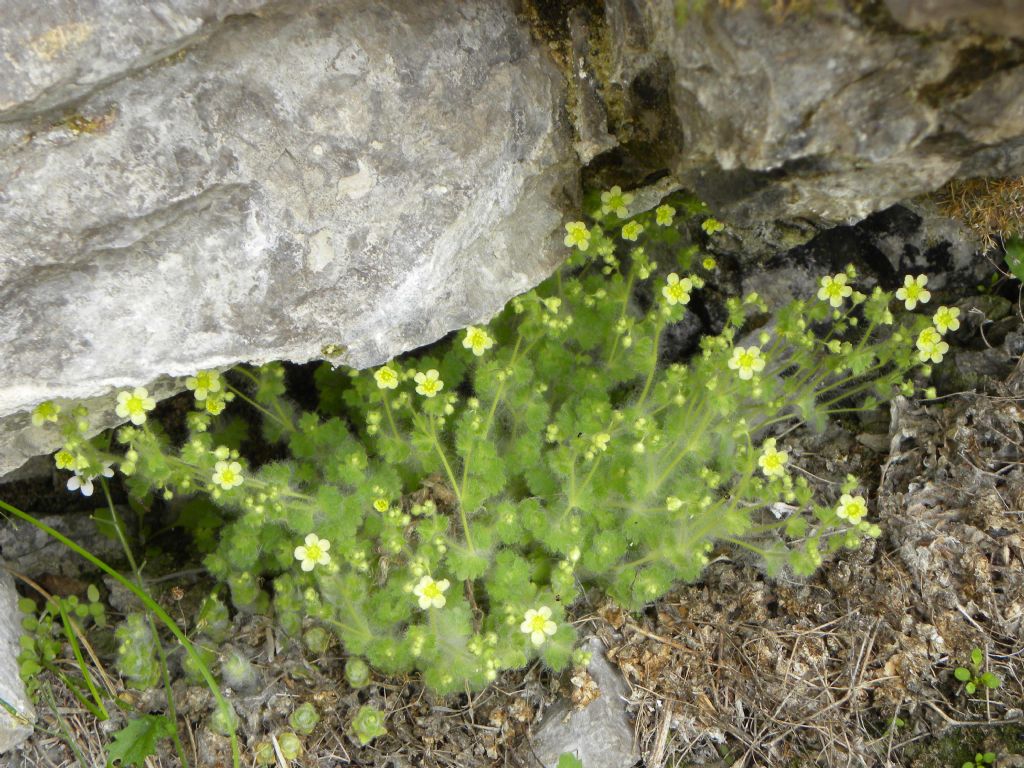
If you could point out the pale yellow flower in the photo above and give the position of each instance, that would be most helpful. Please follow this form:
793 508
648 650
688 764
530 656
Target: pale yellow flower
946 319
203 383
712 226
538 625
227 474
478 340
913 291
431 593
428 384
852 508
772 461
664 214
616 201
44 412
930 346
313 553
64 459
676 290
747 361
577 235
133 405
386 376
834 289
631 231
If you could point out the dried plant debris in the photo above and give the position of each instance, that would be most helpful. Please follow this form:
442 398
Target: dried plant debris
856 665
992 208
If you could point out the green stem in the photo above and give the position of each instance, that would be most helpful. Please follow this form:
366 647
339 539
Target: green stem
694 436
11 710
501 388
391 418
769 526
251 376
148 601
625 306
346 628
284 420
490 416
82 697
629 564
654 365
65 731
432 433
171 710
100 711
850 393
746 545
275 417
847 379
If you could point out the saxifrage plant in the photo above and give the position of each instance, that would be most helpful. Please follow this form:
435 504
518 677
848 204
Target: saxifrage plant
441 512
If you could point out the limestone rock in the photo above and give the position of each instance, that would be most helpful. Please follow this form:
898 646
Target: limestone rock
990 17
828 112
600 734
365 174
12 731
60 50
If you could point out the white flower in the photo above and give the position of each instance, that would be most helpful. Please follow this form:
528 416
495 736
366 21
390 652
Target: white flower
314 552
83 483
538 625
430 592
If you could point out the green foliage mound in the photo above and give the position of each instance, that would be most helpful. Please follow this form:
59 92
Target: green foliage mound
441 512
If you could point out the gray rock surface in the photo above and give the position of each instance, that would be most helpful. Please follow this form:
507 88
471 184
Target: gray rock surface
600 734
352 173
34 553
61 50
194 183
830 115
826 113
990 17
13 730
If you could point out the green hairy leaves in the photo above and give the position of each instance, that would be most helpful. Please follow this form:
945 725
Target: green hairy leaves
440 512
